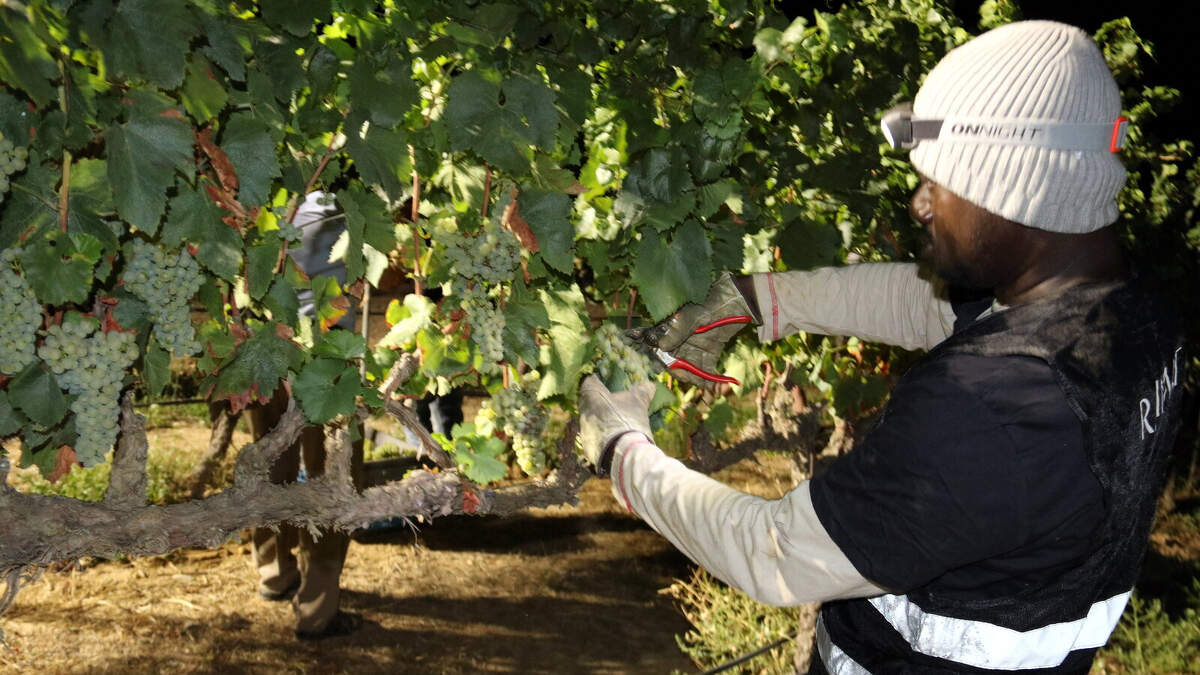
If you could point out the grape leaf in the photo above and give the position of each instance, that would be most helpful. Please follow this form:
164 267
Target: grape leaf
294 16
442 355
202 95
326 388
671 271
149 39
35 392
143 156
30 208
569 347
25 63
59 266
805 244
282 302
258 365
524 315
247 142
260 265
381 156
476 455
329 303
415 314
477 122
548 214
383 92
341 344
11 421
659 175
532 103
156 368
367 221
223 46
194 218
15 121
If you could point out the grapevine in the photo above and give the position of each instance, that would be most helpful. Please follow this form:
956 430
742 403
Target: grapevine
91 365
12 160
166 282
618 365
516 411
22 317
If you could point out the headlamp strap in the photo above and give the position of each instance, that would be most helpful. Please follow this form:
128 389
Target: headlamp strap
1043 134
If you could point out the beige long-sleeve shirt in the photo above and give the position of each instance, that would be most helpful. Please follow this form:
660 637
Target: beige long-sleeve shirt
777 551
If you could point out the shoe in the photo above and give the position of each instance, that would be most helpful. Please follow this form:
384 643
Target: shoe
279 596
342 623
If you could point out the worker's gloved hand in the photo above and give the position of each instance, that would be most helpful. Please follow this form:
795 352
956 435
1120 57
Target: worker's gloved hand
677 333
605 416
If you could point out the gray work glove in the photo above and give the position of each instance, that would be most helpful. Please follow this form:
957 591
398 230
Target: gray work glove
677 333
604 417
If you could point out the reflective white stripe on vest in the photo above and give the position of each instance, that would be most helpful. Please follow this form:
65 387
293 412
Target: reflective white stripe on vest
986 645
836 661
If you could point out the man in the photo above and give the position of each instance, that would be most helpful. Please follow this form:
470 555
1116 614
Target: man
994 519
309 581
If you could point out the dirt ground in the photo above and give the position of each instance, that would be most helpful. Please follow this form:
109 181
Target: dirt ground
559 590
562 590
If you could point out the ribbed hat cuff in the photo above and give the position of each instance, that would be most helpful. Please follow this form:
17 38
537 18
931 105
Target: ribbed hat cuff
1054 190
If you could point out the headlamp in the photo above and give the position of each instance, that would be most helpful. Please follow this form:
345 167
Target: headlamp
902 130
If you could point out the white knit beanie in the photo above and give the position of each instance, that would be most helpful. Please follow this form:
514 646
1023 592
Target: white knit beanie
1029 70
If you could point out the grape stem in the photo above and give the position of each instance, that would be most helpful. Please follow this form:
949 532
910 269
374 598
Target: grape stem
416 213
312 180
64 191
487 191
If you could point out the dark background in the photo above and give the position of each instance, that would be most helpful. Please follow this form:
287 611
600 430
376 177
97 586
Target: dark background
1169 26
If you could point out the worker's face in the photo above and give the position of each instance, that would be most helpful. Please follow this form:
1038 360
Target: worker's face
965 244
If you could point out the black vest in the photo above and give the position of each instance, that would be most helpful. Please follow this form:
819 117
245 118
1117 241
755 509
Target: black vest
1118 358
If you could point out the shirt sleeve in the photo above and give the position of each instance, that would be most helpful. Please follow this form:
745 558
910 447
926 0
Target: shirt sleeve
883 302
774 550
935 486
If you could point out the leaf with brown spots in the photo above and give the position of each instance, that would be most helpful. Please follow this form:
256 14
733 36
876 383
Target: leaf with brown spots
513 220
221 163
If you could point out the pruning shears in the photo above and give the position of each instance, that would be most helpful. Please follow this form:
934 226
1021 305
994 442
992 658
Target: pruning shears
683 364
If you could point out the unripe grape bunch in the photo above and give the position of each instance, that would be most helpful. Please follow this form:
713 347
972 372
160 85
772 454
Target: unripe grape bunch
619 365
490 256
516 411
12 160
487 325
91 364
166 282
20 317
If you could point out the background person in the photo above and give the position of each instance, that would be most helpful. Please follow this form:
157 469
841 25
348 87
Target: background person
309 578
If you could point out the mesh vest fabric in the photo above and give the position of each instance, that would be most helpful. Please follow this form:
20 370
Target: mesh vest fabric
1117 357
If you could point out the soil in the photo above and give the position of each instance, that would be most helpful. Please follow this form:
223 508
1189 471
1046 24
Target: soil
558 590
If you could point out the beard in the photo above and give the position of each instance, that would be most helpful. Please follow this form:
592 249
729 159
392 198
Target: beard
950 267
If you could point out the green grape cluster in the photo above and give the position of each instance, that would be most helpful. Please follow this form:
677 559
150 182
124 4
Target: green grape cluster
516 411
487 326
12 160
90 364
491 256
20 316
166 282
619 365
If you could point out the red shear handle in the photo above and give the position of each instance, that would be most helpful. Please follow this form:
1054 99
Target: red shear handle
683 364
723 322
